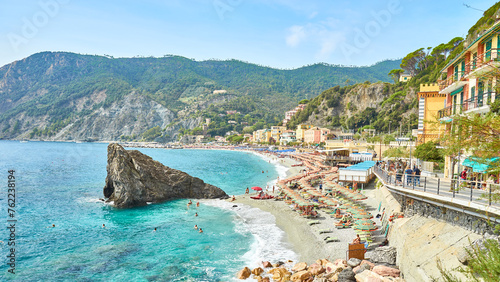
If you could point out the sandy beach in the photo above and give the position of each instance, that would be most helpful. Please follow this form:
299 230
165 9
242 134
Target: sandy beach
306 239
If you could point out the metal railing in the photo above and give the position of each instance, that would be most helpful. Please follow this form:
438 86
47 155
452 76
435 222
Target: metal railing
469 190
473 103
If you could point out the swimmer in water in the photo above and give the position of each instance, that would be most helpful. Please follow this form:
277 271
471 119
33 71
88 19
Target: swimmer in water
201 231
155 229
196 214
196 227
53 225
103 226
197 204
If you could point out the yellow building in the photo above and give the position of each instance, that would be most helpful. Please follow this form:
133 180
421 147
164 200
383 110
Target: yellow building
261 136
276 132
430 101
299 132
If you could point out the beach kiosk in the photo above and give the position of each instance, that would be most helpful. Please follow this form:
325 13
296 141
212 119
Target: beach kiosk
360 173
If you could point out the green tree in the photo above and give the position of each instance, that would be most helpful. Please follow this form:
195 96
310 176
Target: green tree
429 152
396 74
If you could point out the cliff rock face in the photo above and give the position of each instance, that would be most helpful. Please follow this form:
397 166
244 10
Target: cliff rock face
133 179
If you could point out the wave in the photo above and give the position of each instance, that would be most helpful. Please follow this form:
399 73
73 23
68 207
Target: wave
269 240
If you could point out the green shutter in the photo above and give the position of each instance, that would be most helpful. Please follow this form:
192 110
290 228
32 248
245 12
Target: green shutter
457 91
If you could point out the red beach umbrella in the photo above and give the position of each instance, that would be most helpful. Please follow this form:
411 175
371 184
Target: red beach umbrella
256 188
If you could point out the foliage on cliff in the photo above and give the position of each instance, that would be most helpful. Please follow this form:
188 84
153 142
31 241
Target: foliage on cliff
61 87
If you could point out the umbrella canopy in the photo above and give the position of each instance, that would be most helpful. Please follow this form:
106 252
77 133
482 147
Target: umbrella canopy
256 188
362 216
365 221
363 227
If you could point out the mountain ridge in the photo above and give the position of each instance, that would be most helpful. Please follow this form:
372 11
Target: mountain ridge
46 92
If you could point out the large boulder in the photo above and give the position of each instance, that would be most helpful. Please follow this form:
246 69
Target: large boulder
301 276
315 269
386 271
347 275
384 254
244 273
299 267
135 179
369 276
280 274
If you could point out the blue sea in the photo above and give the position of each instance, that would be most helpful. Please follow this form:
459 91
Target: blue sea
61 183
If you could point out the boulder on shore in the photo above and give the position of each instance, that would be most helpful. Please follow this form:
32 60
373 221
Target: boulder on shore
134 179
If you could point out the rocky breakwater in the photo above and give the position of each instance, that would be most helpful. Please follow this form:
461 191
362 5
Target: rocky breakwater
340 270
134 179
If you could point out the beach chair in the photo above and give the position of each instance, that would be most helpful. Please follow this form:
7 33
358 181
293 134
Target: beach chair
331 239
313 222
325 231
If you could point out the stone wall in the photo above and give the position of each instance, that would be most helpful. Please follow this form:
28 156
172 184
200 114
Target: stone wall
469 222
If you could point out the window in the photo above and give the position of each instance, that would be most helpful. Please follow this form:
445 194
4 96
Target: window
487 53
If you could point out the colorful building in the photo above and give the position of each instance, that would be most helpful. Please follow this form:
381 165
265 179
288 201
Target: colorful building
430 101
472 76
276 132
470 84
290 114
316 135
299 132
288 136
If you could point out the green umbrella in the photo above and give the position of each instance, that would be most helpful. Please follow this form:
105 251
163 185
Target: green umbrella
362 216
365 221
363 227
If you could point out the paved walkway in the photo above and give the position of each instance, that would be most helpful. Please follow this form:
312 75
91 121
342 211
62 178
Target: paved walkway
443 190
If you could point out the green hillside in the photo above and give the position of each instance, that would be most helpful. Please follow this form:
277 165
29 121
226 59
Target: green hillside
49 84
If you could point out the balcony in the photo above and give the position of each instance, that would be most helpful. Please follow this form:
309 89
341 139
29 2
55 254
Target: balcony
446 112
452 83
486 64
479 104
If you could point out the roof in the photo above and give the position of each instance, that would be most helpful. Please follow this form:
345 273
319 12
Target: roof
366 165
487 33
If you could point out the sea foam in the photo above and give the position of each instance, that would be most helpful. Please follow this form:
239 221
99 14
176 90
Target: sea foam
269 243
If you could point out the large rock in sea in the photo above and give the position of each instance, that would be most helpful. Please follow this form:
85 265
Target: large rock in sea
134 179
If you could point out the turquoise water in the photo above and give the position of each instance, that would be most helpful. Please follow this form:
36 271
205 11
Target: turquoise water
61 183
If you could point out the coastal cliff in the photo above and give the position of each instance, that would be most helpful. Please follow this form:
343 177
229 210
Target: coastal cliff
134 179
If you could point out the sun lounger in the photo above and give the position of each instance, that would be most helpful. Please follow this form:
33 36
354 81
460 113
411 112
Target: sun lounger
331 239
325 231
313 222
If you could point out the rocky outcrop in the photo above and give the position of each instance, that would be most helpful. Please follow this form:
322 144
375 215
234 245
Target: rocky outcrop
134 179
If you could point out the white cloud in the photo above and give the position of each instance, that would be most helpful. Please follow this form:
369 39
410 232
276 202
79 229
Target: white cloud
324 36
296 34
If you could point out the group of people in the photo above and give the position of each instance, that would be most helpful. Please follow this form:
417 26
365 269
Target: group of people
411 175
474 180
196 215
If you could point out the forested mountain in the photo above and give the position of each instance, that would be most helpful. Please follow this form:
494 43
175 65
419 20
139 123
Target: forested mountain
67 96
381 105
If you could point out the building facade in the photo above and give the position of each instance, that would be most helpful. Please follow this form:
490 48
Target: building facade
430 101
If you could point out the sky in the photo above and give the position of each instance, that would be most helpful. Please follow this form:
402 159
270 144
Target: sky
283 34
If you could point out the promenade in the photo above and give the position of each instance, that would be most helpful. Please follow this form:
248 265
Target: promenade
454 194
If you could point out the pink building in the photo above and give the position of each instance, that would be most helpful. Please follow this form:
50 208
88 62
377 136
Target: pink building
290 114
316 135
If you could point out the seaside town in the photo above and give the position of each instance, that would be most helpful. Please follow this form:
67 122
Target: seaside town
361 214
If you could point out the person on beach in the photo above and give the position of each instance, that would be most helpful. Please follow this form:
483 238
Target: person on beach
233 199
247 191
356 240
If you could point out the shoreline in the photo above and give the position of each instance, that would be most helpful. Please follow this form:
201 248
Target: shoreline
304 239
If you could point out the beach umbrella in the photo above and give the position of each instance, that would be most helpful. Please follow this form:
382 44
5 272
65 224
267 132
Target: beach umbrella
362 216
365 221
256 188
362 227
